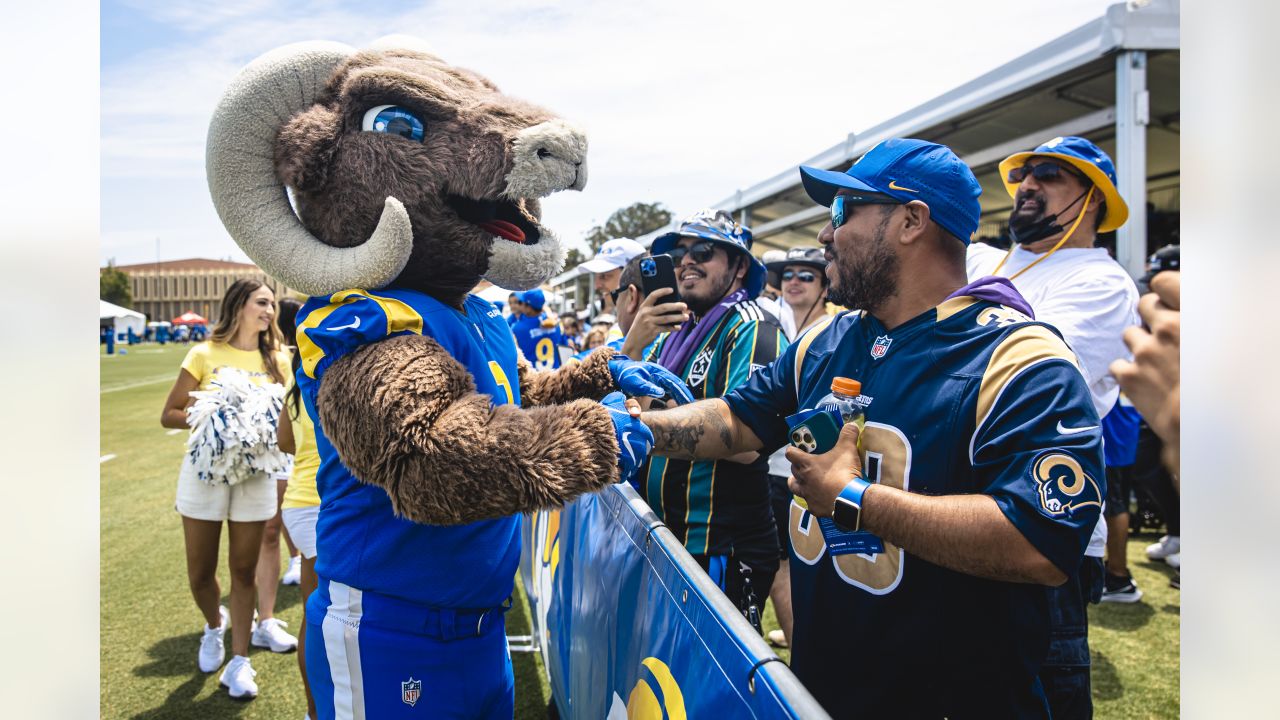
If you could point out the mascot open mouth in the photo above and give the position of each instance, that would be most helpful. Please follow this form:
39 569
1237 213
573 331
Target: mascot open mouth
500 218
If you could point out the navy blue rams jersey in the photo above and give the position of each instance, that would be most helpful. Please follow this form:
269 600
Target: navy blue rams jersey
359 540
969 397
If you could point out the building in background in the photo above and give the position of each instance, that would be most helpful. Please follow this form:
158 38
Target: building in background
165 290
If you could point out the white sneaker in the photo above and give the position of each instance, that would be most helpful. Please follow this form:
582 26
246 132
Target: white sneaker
270 634
1168 545
1175 561
238 679
293 576
212 651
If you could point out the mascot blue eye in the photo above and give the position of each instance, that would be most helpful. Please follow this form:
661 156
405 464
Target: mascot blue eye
395 120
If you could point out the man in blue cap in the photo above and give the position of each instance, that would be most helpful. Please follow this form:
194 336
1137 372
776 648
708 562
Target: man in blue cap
1064 194
922 542
538 337
719 508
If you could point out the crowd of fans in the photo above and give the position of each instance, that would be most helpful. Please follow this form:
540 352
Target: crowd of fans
740 329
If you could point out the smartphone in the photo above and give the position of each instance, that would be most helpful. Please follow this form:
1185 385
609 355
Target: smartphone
658 272
814 431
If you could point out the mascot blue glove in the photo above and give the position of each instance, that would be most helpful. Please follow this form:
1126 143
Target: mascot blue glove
647 379
635 440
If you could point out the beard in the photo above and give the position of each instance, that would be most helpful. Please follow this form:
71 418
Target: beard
702 304
1021 221
870 281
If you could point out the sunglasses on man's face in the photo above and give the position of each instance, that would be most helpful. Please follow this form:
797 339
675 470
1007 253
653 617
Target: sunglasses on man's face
615 293
803 276
700 251
1045 171
842 206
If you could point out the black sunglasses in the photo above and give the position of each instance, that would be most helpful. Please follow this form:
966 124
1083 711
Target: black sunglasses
1043 171
615 293
803 276
842 206
700 251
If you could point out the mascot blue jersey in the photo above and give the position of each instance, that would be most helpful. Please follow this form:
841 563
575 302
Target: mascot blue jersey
359 540
970 397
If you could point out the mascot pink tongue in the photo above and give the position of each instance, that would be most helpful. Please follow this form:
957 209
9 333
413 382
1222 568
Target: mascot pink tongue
503 229
433 433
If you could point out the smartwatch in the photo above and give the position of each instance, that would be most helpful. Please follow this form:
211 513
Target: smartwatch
848 507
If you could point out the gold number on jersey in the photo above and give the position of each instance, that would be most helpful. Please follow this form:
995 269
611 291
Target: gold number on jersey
545 351
886 459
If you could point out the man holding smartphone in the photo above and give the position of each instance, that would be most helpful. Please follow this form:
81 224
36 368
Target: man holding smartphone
979 465
719 508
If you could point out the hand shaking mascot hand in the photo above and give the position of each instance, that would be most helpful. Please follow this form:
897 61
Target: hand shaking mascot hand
412 180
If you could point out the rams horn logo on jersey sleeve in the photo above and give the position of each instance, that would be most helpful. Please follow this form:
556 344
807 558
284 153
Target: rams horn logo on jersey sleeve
1063 485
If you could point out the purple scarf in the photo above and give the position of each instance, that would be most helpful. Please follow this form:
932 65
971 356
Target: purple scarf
681 344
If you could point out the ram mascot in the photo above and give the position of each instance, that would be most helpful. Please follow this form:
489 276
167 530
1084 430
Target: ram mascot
411 180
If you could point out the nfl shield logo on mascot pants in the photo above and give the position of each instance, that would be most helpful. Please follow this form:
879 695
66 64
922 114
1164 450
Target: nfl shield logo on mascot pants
410 691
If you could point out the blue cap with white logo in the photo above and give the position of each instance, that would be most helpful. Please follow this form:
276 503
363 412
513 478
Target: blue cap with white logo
907 169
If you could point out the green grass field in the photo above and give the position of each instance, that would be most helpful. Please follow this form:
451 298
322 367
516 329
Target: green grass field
151 628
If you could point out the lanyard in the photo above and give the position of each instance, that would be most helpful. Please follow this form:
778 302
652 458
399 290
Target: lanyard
1069 233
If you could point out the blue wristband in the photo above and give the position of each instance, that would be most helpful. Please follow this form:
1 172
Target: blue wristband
854 490
847 512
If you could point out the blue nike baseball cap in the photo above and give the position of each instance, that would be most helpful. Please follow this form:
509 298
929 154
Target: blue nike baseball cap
533 298
907 169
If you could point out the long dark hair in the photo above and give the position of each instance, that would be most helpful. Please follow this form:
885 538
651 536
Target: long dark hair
229 324
287 319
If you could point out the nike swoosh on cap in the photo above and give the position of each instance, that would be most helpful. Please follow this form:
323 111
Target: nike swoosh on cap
354 324
1072 431
893 185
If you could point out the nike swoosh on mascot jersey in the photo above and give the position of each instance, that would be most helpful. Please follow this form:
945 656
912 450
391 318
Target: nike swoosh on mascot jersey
1072 431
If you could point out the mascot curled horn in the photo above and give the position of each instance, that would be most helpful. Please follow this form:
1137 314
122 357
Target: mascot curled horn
413 180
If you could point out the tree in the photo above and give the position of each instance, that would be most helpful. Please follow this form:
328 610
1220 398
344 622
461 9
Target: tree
573 258
113 286
631 222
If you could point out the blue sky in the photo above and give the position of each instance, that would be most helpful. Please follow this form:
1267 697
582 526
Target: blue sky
684 101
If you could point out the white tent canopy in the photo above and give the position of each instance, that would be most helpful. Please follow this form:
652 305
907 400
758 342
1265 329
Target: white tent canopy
120 319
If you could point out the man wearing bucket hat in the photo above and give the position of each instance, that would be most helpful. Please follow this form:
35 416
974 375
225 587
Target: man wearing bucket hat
1064 194
959 472
718 508
802 278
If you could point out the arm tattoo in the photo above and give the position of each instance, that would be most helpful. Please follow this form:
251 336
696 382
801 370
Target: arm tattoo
691 432
680 439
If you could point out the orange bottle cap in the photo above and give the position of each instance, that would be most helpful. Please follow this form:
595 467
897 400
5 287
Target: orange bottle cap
846 386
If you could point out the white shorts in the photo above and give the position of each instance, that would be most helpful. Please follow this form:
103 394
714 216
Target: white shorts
301 524
249 501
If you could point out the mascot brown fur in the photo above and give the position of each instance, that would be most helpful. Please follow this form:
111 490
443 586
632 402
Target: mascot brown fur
411 181
378 210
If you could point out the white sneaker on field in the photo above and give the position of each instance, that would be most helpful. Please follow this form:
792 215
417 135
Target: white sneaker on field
293 576
1168 545
212 651
238 678
270 634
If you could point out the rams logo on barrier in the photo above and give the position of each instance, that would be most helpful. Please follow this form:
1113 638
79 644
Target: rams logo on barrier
1063 485
644 703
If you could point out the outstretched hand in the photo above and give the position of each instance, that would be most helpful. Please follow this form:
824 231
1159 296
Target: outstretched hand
1152 379
635 440
820 478
647 379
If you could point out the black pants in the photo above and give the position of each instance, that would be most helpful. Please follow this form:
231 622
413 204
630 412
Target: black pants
1065 673
745 580
1149 472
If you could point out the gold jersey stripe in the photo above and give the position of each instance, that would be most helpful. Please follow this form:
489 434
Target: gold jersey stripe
1020 349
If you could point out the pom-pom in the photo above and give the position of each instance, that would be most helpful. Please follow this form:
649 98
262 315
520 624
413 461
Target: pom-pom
233 429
